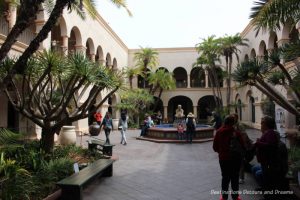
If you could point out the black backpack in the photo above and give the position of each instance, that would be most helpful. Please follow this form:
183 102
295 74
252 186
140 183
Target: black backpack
190 123
236 149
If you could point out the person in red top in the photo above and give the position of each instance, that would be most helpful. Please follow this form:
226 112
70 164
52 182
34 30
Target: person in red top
230 166
98 117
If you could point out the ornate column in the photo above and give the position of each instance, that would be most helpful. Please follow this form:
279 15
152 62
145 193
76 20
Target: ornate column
92 57
188 81
64 46
195 109
101 61
165 113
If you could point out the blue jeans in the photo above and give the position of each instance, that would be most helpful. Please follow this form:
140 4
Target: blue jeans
257 172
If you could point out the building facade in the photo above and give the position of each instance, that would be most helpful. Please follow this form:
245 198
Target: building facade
193 91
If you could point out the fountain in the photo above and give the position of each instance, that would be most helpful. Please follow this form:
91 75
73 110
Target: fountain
168 132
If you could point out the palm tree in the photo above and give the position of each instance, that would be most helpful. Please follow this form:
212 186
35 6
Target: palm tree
159 81
271 14
229 47
146 59
209 50
130 73
253 73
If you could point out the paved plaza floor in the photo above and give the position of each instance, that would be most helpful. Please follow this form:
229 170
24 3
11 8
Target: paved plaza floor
157 171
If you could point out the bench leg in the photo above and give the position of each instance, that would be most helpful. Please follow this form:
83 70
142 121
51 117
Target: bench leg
107 150
108 172
71 193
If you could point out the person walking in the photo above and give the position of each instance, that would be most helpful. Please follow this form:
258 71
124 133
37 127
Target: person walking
107 126
190 127
229 163
123 125
98 117
217 121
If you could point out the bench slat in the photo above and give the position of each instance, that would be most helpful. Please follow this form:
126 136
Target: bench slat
87 173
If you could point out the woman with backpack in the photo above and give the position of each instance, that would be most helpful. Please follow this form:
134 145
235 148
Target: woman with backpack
107 126
190 127
123 125
229 160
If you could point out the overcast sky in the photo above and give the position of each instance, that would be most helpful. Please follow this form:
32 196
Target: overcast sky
175 23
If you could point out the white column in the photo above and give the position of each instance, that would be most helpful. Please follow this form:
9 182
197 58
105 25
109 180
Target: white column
188 81
195 111
11 15
92 57
64 46
165 112
206 79
80 48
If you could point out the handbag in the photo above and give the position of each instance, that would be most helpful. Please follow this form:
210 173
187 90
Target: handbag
120 127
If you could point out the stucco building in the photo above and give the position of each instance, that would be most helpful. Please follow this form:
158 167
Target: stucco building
101 44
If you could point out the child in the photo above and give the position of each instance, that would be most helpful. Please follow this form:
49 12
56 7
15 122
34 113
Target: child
180 130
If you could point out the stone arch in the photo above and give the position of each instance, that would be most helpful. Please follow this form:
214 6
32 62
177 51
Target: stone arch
197 77
251 106
252 54
238 106
272 41
90 49
108 60
99 55
205 106
115 64
185 102
180 75
246 58
262 49
157 105
75 40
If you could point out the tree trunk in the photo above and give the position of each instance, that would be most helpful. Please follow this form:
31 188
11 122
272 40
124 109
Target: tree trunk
47 140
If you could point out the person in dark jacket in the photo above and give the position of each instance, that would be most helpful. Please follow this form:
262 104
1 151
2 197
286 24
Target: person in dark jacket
217 121
230 166
267 155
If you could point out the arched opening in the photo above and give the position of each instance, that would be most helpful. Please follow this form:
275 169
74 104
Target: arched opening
185 102
90 49
198 77
252 54
99 56
180 75
246 58
108 60
115 65
294 35
163 68
206 105
72 43
57 33
272 43
238 108
262 52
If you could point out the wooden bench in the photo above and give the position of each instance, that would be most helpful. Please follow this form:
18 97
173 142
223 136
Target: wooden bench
73 185
97 144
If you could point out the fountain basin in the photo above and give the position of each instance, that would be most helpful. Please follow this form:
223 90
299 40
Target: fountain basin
169 132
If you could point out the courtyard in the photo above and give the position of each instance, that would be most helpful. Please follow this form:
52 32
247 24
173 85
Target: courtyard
157 171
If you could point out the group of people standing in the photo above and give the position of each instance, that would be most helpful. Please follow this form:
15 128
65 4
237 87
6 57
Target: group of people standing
107 125
272 159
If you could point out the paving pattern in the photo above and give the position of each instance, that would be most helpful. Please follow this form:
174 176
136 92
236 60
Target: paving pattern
155 171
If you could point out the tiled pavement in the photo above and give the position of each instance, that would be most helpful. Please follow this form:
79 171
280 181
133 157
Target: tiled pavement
156 171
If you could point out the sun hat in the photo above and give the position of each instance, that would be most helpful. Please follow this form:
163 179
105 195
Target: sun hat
190 115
